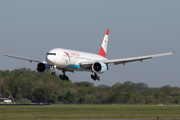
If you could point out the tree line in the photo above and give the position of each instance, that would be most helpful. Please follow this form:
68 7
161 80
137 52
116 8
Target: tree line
24 83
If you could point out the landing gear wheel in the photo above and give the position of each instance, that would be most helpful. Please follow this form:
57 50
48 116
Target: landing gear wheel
61 77
64 77
98 78
95 77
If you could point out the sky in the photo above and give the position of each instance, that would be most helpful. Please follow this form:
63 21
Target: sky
137 28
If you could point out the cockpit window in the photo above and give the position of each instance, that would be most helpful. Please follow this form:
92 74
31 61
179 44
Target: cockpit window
51 53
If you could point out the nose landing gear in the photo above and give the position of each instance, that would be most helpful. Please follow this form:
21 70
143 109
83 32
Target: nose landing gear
53 73
53 70
95 77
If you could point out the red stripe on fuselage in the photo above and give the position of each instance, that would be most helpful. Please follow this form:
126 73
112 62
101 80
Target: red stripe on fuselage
67 55
102 52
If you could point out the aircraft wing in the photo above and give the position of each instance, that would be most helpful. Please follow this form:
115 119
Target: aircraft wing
22 58
132 59
87 64
125 60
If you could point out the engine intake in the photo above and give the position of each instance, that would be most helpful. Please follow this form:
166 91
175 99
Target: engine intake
43 67
99 67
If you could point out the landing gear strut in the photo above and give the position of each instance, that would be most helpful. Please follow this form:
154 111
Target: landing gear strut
64 77
95 77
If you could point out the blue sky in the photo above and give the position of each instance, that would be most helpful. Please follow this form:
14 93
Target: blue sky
137 27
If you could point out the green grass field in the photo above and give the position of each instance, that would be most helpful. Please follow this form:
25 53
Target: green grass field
88 112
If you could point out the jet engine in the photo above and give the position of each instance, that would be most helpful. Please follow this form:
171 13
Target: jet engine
43 67
99 67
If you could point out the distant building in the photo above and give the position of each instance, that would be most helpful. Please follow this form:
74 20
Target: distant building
6 98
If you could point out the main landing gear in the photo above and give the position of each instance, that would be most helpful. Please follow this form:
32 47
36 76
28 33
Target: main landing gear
95 77
64 77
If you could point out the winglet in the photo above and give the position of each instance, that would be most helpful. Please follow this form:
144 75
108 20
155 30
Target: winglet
103 49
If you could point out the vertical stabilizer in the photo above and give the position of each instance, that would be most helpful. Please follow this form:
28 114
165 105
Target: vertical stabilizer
103 49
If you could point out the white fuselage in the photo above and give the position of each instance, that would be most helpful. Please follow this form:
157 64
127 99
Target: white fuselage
70 59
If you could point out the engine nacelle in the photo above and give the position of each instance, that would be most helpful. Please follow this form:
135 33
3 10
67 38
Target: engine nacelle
99 67
43 67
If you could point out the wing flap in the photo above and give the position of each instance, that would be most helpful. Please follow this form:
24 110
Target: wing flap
86 64
130 60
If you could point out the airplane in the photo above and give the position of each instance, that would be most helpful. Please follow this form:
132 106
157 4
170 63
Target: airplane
71 60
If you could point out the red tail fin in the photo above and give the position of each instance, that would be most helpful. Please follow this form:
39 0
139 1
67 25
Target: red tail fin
103 49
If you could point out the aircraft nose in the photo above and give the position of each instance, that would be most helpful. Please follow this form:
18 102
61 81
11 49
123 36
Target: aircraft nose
49 59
